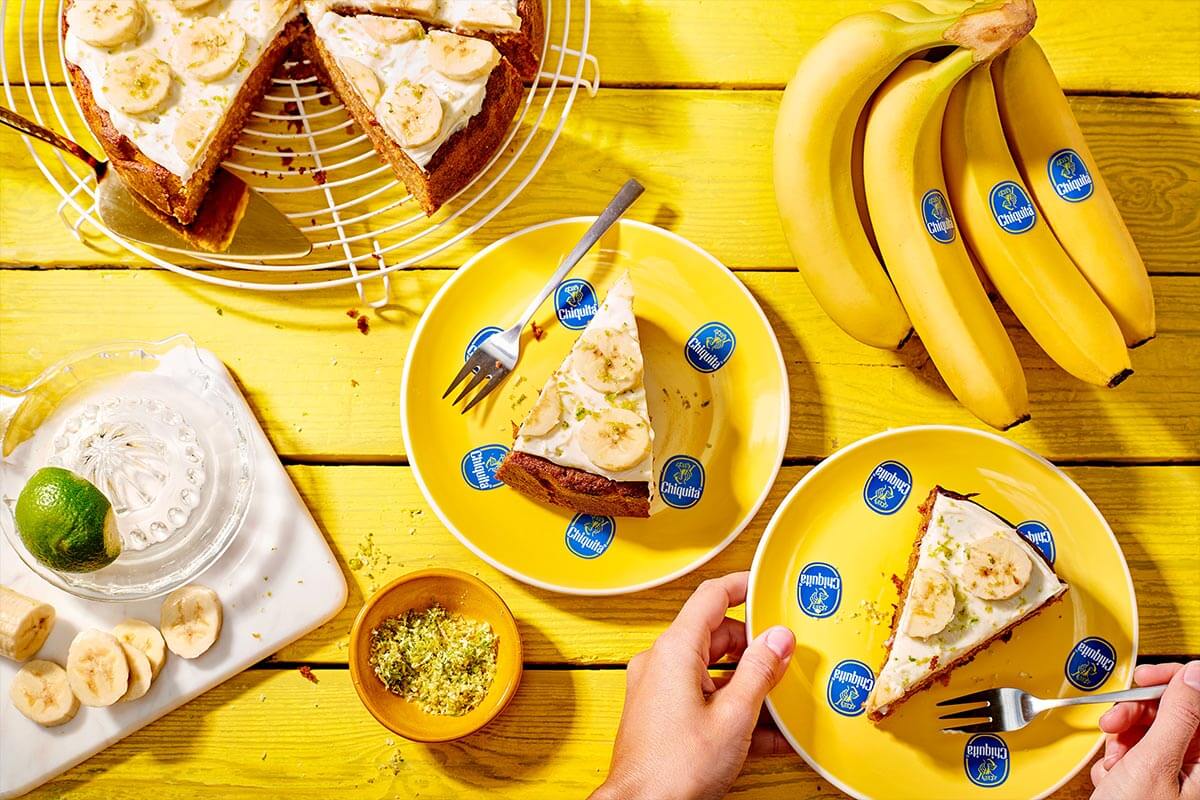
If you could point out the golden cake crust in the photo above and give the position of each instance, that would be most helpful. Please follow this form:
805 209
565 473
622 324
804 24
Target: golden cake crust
573 488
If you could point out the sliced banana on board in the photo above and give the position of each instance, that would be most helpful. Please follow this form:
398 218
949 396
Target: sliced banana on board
390 30
461 58
136 82
930 603
192 130
106 23
411 113
41 691
615 439
996 569
608 360
24 624
208 50
141 674
97 668
544 416
362 78
191 620
144 637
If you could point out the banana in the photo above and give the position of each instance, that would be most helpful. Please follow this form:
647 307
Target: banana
544 416
192 131
930 602
106 23
144 637
141 674
414 7
461 58
813 153
389 30
996 569
1046 141
208 50
40 690
97 668
608 360
191 620
1033 274
483 17
411 113
929 265
136 82
362 78
189 5
615 439
24 624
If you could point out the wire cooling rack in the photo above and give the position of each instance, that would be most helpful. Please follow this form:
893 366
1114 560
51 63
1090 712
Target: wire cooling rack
302 151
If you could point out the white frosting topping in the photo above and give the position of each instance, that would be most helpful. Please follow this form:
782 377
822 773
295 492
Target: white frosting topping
345 37
153 132
561 444
468 16
953 526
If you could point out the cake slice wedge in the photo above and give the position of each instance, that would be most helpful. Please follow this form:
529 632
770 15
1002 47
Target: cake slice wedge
972 578
587 443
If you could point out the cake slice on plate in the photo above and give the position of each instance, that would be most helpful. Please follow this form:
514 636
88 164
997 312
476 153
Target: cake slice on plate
587 443
971 580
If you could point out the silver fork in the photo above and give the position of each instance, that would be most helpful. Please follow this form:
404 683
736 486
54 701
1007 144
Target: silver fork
1012 709
493 360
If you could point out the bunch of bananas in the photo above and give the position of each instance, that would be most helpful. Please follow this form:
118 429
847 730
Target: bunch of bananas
924 152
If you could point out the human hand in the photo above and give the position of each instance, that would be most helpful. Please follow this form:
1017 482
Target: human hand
684 736
1152 750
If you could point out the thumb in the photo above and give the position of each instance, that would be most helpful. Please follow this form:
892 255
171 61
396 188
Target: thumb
761 667
1176 723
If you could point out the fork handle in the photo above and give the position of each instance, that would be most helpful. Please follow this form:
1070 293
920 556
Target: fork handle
631 191
1140 693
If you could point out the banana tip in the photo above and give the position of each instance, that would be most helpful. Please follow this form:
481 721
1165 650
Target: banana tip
1141 342
1119 378
1018 421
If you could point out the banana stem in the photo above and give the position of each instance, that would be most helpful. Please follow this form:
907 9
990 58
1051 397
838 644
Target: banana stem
993 29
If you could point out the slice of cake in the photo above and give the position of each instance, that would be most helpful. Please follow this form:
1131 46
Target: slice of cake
587 443
167 85
971 579
435 105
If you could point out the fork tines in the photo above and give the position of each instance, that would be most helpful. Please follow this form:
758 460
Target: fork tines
983 713
481 367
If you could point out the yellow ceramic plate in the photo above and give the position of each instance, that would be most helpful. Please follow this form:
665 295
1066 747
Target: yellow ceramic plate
717 390
824 568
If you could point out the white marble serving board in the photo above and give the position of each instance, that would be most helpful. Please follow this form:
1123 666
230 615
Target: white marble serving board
303 588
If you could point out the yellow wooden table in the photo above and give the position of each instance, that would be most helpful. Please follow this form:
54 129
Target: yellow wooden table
691 88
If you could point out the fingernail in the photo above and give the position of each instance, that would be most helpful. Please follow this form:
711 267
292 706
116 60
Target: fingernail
1110 753
780 641
1191 675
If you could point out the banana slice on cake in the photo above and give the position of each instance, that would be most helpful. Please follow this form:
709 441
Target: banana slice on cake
106 23
191 620
482 17
144 637
362 78
189 5
615 439
24 624
461 58
389 30
609 360
192 131
136 82
41 691
996 569
545 414
411 113
97 668
931 603
208 50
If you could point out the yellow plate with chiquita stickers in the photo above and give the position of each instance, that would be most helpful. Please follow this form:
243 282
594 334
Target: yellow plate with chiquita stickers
715 382
825 568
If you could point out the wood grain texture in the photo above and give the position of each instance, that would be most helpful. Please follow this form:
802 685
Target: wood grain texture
343 404
704 157
1094 45
272 734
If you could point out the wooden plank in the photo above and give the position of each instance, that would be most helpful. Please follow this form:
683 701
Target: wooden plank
1148 149
381 527
270 733
342 406
1110 46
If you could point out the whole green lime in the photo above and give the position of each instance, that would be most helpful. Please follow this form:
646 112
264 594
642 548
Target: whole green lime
67 523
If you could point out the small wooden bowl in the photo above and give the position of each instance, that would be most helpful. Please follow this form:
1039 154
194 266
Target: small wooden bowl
458 593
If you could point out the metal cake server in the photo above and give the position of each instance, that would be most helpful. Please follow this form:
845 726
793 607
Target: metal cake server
233 221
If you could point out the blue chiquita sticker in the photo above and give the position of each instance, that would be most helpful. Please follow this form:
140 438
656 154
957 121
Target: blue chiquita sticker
478 339
819 589
479 466
887 488
938 220
986 760
1090 663
710 347
1069 176
849 684
681 482
575 303
1038 534
589 535
1012 208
